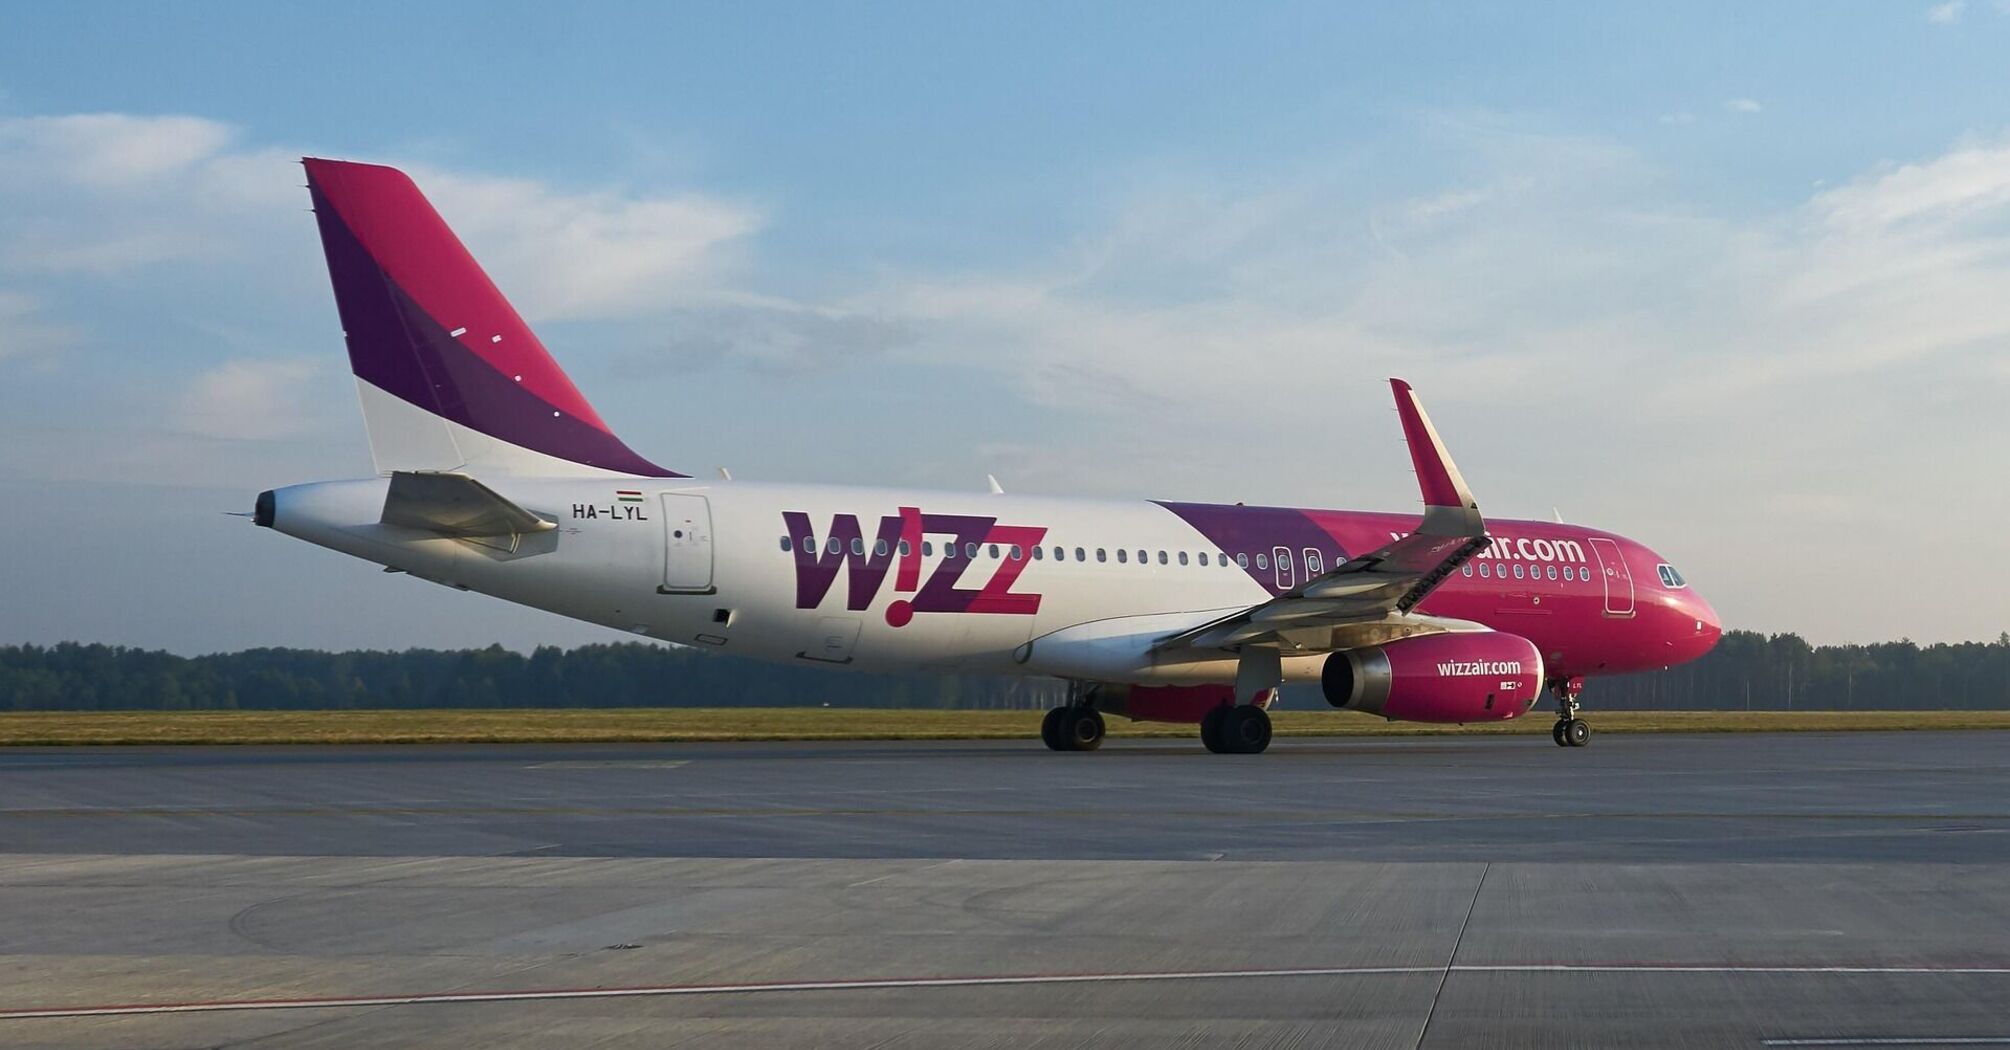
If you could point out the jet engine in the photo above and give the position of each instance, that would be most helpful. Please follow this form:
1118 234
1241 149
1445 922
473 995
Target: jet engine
1472 676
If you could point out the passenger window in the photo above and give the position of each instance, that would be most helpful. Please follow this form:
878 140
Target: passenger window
1484 571
1060 554
905 549
1315 563
970 550
809 545
1015 552
1552 572
1263 561
994 550
1203 558
1517 570
1142 558
786 545
1182 557
1081 555
1123 556
927 548
879 548
1162 558
1467 568
1039 553
835 546
1102 555
1242 561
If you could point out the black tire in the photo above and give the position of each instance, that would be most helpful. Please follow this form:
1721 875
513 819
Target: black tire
1576 733
1210 730
1245 730
1082 729
1050 729
1556 733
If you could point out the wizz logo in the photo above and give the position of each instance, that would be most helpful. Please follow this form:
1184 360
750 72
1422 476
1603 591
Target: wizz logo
896 548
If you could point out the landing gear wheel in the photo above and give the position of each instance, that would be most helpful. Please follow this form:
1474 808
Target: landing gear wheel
1081 729
1244 730
1050 729
1210 730
1570 730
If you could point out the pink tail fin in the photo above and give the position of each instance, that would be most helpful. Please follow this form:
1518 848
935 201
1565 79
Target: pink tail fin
451 377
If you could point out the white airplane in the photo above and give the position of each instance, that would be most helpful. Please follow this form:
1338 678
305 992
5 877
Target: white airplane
495 475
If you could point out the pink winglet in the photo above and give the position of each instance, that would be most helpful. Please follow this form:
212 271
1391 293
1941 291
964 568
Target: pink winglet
1436 475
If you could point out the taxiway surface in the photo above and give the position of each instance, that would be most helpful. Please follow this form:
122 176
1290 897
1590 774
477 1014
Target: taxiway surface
1742 890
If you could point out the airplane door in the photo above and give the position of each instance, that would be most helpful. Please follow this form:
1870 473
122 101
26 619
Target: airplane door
687 544
1618 579
834 640
1281 558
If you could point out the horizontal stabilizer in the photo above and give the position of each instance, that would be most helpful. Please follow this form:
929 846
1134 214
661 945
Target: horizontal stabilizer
455 505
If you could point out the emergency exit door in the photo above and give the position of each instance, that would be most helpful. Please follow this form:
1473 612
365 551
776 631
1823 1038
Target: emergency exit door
687 544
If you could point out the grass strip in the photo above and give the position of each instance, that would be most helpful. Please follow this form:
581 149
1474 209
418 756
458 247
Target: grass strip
635 725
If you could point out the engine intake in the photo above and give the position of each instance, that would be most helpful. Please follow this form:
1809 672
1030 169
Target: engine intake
1477 676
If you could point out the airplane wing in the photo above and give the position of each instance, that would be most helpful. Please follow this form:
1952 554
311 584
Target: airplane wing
1378 588
455 505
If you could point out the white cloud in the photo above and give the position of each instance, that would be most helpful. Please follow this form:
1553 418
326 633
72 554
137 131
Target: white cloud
1743 105
105 194
25 332
1947 13
109 149
1700 379
590 256
249 400
1728 384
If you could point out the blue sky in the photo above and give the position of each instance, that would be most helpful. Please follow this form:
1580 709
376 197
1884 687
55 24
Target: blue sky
1734 279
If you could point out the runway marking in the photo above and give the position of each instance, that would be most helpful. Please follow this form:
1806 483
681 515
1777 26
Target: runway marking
1002 980
1896 1040
611 763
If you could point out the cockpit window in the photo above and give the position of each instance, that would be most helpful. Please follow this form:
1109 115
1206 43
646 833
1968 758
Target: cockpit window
1669 577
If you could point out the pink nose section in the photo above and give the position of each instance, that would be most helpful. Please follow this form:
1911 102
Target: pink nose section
1706 625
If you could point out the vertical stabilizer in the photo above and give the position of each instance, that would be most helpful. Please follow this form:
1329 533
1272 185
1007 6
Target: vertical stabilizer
450 377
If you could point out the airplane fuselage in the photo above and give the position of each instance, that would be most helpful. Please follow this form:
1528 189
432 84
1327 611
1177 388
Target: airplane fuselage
873 578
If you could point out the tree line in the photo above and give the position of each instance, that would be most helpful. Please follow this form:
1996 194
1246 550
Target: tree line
1747 671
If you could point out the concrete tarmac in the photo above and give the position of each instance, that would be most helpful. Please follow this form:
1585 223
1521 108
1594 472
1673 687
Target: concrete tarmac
1735 890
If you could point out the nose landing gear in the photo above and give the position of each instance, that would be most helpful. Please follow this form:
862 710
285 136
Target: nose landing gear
1570 730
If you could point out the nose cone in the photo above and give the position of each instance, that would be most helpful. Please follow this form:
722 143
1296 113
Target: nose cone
1696 627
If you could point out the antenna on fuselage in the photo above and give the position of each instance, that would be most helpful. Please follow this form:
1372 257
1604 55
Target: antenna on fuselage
725 475
996 489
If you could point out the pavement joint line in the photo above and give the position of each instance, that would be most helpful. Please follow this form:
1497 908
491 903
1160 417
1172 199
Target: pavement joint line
1001 980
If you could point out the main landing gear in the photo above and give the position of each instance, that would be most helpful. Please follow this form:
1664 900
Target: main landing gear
1076 727
1570 730
1240 729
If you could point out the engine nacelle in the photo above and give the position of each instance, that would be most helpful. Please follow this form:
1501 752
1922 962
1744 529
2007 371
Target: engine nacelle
1476 676
1168 703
